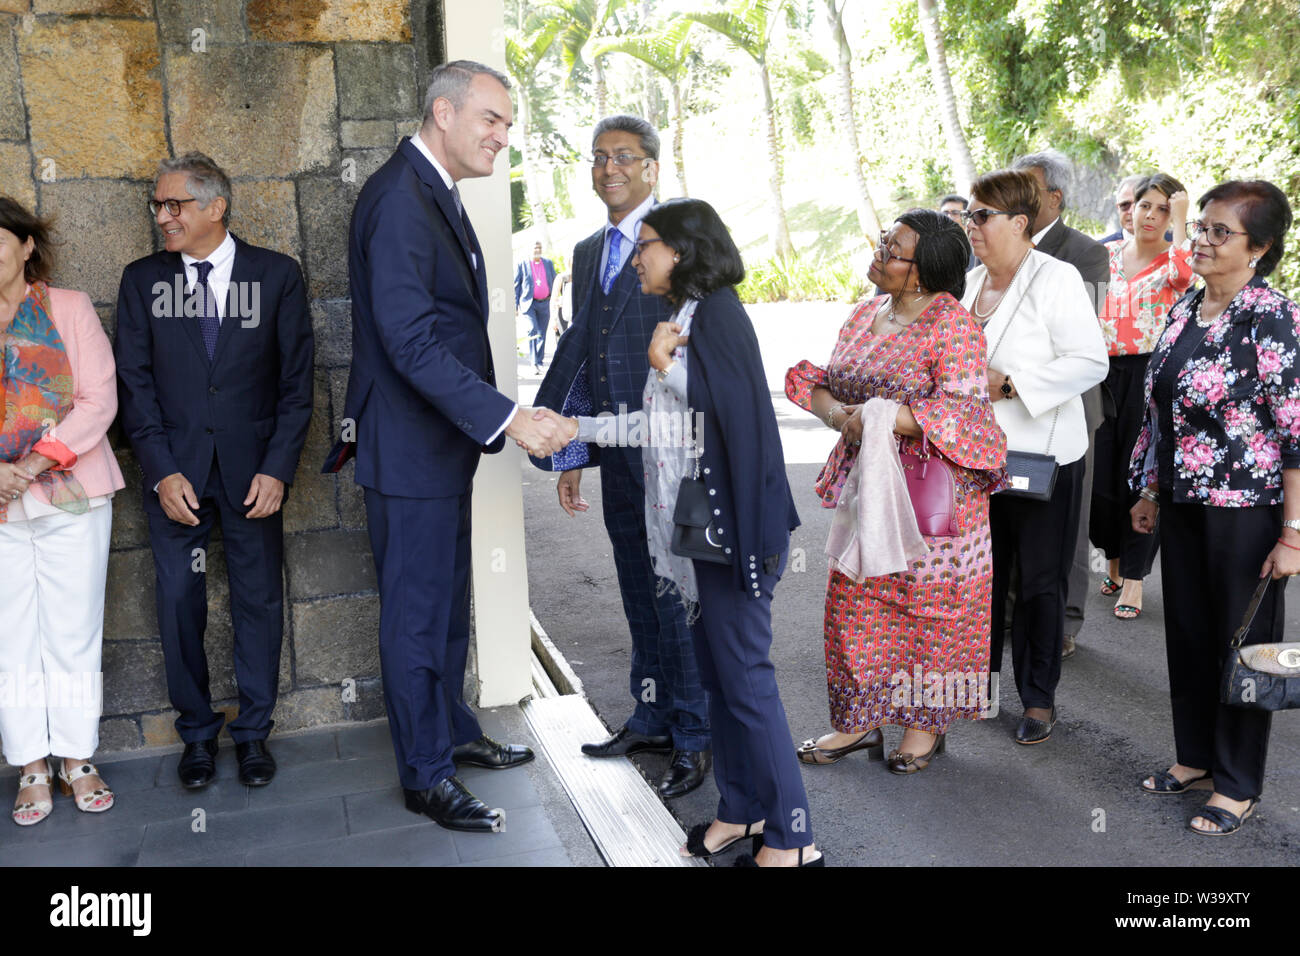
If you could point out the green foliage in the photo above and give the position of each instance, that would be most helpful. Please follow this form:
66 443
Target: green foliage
804 279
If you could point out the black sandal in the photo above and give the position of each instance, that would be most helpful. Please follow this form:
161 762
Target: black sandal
1166 782
695 841
1225 820
1109 586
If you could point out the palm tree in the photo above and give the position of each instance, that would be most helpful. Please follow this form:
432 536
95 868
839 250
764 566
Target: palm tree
748 26
582 21
524 53
867 218
962 165
669 54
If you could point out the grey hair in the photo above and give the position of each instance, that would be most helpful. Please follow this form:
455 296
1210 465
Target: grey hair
1055 166
1129 182
625 123
205 180
451 81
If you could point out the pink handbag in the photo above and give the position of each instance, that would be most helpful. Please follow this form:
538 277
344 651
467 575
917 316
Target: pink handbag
933 489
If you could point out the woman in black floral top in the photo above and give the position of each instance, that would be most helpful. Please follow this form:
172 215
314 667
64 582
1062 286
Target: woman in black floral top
1218 460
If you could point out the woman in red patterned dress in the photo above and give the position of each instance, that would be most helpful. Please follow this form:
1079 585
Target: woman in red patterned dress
1147 276
910 648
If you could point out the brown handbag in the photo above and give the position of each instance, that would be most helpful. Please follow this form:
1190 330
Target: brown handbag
932 487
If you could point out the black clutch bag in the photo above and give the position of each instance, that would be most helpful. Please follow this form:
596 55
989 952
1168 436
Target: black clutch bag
1031 475
1260 676
693 532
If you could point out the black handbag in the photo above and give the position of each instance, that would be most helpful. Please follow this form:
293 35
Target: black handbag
693 532
1260 676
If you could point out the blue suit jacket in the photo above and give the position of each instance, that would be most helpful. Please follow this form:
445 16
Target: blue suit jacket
609 344
524 282
422 388
250 404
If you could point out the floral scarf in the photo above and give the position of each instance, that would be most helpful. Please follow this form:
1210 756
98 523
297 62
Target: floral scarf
37 385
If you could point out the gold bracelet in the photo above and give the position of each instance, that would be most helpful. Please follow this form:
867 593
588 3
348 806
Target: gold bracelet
830 415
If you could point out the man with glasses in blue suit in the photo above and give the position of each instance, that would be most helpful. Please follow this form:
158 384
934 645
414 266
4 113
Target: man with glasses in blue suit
600 365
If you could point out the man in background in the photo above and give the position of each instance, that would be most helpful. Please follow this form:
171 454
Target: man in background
534 282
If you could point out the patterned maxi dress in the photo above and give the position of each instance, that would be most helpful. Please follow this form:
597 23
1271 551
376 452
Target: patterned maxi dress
912 648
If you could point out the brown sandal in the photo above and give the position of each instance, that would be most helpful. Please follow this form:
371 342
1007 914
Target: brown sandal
873 742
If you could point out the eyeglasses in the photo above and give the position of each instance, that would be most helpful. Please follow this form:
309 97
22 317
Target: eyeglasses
1124 205
887 253
173 205
639 246
619 159
981 216
1215 235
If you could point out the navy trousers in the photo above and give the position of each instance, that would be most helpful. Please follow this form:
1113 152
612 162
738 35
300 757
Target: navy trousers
422 557
539 314
665 681
754 763
254 552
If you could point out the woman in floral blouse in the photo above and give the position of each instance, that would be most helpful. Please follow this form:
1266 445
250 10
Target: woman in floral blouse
1147 276
1218 458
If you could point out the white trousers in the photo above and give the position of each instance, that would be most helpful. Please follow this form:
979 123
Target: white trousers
52 573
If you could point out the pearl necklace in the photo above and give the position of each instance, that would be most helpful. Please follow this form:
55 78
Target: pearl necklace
974 305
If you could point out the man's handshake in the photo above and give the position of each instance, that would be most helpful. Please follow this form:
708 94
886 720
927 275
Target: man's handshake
540 431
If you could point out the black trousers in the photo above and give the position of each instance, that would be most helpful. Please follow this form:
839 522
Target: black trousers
1038 537
254 551
1110 526
1209 572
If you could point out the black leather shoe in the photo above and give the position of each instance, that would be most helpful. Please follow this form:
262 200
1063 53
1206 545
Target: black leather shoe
685 772
198 764
449 804
256 765
486 752
1033 731
624 742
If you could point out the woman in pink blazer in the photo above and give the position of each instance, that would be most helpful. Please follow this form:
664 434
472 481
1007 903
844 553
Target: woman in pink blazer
57 479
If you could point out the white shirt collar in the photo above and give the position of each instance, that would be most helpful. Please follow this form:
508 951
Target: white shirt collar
419 144
220 256
630 223
1038 236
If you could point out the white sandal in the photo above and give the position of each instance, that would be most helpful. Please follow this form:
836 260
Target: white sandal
86 801
41 808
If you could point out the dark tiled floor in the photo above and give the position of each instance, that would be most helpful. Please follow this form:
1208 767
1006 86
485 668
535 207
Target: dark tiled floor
334 802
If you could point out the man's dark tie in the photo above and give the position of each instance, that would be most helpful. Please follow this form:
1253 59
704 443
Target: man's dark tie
464 219
209 324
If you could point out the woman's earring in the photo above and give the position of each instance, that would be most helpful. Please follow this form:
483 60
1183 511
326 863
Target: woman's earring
677 258
1254 261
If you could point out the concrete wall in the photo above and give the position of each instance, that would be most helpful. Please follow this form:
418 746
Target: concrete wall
299 100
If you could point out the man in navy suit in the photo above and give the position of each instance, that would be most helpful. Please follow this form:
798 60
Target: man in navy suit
600 365
214 357
423 405
534 283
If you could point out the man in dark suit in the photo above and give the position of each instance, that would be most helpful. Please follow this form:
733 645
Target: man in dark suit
422 407
534 283
601 365
952 206
214 357
1052 236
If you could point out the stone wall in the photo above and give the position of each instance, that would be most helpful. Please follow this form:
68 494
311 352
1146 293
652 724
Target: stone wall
299 100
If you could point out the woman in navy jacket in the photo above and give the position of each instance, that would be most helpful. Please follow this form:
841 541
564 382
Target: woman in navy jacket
706 370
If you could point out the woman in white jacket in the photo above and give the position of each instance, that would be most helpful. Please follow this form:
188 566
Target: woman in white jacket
1045 350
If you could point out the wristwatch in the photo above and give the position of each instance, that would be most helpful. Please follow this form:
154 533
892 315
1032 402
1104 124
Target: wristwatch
1293 524
1006 386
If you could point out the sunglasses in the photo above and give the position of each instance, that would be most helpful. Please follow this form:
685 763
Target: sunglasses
980 216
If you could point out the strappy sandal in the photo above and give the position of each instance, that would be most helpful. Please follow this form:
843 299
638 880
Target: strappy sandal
872 741
1130 612
91 800
746 860
22 812
695 841
1225 820
1165 782
1109 586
